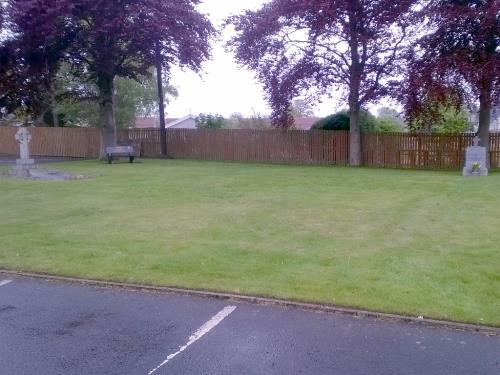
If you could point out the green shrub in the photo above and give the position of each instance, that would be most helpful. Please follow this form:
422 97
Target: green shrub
341 121
338 121
388 125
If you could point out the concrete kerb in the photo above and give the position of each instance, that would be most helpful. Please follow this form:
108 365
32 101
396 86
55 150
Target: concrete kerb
332 309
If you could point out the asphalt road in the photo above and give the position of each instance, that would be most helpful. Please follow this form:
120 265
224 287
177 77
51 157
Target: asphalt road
57 328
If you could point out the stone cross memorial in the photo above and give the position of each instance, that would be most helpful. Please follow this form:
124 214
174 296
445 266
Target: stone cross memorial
26 168
24 164
475 160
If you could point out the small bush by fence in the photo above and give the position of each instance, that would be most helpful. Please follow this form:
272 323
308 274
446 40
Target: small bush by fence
385 150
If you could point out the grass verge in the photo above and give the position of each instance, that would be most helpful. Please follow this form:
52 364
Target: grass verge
411 242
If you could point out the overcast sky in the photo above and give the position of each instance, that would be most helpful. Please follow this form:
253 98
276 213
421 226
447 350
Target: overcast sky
223 87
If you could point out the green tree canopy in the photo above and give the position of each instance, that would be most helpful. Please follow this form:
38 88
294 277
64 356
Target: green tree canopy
302 108
255 121
388 124
389 120
451 121
210 121
132 99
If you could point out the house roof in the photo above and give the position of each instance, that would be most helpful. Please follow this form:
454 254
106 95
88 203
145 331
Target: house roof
174 122
305 123
301 123
150 122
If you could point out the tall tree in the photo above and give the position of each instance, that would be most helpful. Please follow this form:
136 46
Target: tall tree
2 16
303 45
456 62
301 108
132 99
31 53
161 103
118 38
111 39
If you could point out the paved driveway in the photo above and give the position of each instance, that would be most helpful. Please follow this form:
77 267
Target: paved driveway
56 328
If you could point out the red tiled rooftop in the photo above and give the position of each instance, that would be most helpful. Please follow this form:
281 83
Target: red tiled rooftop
305 123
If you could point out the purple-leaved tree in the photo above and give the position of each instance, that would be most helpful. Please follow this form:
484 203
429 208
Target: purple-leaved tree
31 54
104 39
316 46
456 62
119 38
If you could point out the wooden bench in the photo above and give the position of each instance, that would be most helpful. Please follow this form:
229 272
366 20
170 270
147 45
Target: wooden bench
121 151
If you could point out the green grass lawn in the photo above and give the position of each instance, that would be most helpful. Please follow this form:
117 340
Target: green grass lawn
413 242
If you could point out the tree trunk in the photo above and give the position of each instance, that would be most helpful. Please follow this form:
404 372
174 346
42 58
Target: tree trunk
55 117
355 156
483 131
161 104
106 111
53 104
38 120
356 70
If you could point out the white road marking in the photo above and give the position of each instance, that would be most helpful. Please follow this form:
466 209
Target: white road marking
5 282
202 331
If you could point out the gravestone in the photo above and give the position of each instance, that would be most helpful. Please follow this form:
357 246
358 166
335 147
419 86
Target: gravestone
24 164
475 160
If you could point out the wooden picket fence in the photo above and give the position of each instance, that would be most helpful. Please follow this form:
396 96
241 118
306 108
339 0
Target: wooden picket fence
60 142
383 150
422 151
245 145
260 146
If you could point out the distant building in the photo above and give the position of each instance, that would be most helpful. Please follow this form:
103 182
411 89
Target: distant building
146 123
495 119
187 122
305 123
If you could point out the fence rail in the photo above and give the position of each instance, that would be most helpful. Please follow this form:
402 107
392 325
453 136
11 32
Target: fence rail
385 150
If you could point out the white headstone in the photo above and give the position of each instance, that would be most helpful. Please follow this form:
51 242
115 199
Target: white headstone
475 160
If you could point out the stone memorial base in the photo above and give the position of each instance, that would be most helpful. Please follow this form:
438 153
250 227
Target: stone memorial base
23 168
480 173
27 169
